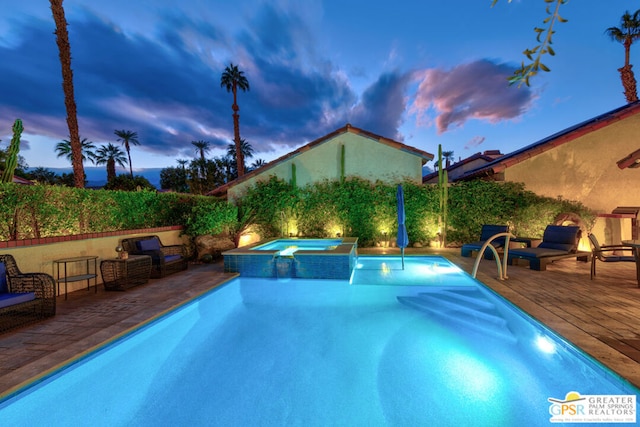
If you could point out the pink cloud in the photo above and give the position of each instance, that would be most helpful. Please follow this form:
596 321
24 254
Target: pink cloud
476 90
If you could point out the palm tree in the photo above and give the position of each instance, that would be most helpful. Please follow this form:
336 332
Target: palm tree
202 147
234 79
627 33
64 149
110 155
64 49
128 138
182 163
258 164
448 157
245 148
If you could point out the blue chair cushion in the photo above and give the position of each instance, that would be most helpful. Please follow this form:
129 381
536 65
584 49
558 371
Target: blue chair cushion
170 258
567 247
7 300
616 258
490 230
4 285
154 254
561 234
535 252
148 245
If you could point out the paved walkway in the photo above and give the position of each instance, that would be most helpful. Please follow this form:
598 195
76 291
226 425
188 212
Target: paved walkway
600 316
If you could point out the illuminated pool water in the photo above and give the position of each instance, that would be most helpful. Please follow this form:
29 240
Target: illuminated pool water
441 350
290 246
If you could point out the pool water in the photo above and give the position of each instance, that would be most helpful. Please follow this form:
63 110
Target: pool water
290 246
325 352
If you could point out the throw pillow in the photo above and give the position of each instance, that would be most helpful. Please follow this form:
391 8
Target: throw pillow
148 245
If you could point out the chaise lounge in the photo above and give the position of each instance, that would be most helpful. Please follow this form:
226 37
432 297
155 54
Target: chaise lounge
24 297
485 234
558 242
165 259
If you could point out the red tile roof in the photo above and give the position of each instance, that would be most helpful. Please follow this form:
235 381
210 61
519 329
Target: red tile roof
488 156
553 141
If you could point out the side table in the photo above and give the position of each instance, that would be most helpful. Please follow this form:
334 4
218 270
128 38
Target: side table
119 274
87 275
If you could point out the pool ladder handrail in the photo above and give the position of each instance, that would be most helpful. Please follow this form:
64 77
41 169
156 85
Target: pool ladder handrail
502 269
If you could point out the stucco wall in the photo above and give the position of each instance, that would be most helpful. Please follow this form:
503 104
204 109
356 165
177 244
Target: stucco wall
364 157
585 169
39 258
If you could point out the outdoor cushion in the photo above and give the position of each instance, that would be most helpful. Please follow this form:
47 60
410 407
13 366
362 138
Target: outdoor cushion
566 247
7 300
148 245
4 286
170 258
535 252
618 258
560 234
154 254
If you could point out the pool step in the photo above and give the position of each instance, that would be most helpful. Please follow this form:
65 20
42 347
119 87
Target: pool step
461 309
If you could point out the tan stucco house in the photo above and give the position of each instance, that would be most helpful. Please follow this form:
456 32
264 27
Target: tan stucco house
363 154
593 162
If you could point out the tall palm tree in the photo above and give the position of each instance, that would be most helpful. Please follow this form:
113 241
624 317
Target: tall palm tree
64 149
234 79
202 147
128 139
627 33
110 155
245 148
64 49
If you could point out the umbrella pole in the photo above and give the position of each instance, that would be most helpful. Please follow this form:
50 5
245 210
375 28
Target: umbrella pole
402 252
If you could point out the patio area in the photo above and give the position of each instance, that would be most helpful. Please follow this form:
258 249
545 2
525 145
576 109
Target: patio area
599 316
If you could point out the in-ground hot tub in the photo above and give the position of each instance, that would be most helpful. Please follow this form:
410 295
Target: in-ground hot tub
295 257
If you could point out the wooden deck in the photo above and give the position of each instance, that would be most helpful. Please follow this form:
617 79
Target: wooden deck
599 316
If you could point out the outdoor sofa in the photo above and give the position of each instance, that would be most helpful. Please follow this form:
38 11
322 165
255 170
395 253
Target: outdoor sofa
24 297
558 242
165 259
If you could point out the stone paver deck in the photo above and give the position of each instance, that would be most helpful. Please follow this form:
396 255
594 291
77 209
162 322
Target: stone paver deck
599 316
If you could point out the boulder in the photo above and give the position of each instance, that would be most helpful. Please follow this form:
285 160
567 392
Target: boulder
212 245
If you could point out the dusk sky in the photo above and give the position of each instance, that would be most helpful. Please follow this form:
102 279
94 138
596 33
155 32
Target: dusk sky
422 72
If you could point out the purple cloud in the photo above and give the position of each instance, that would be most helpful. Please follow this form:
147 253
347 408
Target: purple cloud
476 90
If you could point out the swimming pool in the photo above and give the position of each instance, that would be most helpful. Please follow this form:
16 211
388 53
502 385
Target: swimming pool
443 350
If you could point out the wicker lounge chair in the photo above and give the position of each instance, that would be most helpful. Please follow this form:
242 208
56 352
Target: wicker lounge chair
605 253
24 297
558 242
164 259
485 234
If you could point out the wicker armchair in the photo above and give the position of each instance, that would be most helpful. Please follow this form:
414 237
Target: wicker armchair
164 259
41 285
